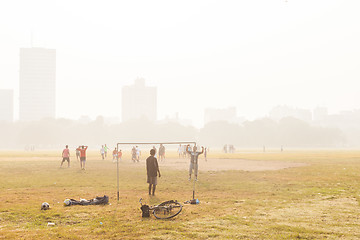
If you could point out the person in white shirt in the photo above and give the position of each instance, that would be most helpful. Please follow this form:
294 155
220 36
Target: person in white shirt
138 153
102 152
180 150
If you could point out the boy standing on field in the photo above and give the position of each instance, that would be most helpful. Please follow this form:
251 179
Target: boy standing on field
66 156
152 169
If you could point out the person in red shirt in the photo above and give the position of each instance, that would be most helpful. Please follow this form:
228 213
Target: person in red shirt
82 150
119 155
65 156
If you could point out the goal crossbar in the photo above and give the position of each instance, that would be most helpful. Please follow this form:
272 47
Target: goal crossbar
150 143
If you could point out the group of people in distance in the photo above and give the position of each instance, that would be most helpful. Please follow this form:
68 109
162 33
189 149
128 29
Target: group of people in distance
135 154
228 148
152 166
161 152
103 151
117 154
80 154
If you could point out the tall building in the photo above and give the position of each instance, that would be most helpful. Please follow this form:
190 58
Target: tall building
6 105
139 101
37 86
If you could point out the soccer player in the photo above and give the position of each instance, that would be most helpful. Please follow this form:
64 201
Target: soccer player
66 156
180 150
138 153
194 161
102 152
82 150
162 153
77 154
119 155
106 149
115 155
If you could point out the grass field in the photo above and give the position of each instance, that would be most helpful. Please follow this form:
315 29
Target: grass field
318 200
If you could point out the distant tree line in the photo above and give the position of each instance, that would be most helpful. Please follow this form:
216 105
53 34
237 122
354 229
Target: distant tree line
288 132
50 133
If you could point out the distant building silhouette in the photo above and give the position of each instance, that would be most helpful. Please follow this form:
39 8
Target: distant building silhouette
223 114
176 119
139 101
320 114
37 86
6 105
279 112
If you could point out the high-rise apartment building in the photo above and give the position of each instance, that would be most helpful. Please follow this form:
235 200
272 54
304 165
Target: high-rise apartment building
139 101
6 105
37 86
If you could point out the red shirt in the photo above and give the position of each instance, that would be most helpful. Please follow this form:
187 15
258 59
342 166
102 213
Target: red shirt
66 153
82 151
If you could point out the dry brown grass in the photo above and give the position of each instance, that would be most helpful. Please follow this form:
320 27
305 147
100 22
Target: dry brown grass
315 201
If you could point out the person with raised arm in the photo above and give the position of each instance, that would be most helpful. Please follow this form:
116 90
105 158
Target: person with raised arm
82 150
194 160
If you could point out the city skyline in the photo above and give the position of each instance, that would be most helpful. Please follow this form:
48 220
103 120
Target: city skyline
207 56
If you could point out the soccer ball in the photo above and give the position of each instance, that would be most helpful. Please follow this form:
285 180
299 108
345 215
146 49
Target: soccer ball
45 206
67 202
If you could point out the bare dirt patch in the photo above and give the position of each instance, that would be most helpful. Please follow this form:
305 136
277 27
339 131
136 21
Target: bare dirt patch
230 164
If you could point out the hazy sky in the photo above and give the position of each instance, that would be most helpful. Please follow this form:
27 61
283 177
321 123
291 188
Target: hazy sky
250 54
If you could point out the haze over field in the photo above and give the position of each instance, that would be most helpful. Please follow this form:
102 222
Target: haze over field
268 91
251 55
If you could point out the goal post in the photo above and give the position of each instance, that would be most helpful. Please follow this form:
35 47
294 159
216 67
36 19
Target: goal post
145 143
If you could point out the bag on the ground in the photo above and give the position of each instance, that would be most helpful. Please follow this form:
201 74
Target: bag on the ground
145 211
96 201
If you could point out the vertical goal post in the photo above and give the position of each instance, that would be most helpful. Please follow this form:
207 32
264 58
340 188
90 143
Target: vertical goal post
145 143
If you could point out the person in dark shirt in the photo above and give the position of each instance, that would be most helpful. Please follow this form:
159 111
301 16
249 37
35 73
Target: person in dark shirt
152 169
194 161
